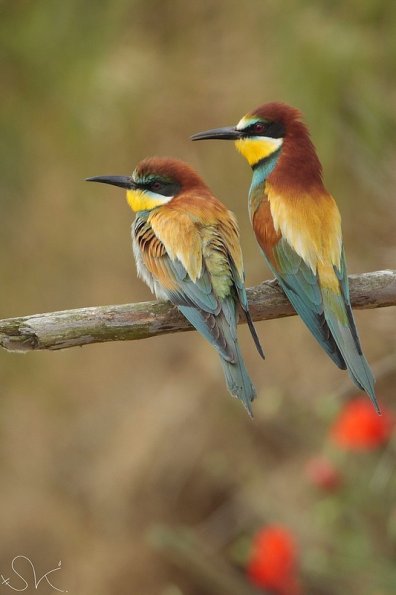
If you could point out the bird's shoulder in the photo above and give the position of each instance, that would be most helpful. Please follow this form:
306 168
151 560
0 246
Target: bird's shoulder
196 228
308 220
146 239
218 229
176 230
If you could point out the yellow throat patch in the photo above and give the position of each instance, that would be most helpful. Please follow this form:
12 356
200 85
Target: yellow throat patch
255 149
139 200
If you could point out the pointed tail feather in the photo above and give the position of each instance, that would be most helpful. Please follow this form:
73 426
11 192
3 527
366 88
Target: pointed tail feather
238 380
236 375
221 331
254 333
340 320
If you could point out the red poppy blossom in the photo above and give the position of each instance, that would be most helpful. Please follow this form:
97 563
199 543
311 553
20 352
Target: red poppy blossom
359 427
323 474
273 561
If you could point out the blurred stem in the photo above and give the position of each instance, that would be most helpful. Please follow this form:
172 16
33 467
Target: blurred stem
182 547
71 328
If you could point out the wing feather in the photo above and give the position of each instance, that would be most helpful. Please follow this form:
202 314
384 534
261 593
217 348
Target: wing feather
196 299
302 288
277 224
196 262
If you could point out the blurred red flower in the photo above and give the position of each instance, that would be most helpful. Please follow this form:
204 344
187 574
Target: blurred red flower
323 474
359 427
273 561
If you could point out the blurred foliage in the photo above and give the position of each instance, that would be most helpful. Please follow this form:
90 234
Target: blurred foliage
98 445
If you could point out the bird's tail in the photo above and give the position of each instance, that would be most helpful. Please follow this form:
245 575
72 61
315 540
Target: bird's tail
221 331
237 377
238 380
339 317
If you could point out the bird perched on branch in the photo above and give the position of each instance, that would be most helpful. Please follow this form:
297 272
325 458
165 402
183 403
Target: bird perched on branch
187 250
298 227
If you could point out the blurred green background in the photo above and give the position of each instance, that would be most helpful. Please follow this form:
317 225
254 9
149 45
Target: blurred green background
101 446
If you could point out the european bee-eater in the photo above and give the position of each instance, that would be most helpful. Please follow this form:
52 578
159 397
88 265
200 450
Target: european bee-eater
187 250
298 227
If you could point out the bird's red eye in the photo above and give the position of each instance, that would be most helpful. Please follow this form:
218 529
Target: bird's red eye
258 127
156 185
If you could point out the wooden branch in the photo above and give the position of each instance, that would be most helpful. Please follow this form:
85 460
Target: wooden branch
71 328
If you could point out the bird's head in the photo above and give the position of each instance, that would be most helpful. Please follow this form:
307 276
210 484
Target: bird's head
154 182
261 132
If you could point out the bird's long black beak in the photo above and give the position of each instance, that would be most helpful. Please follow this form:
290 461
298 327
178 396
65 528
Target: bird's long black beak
121 181
228 133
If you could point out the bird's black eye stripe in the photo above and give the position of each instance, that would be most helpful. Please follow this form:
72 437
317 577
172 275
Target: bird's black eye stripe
164 187
275 130
271 129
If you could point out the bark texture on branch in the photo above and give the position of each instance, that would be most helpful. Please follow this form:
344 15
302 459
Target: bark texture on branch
82 326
